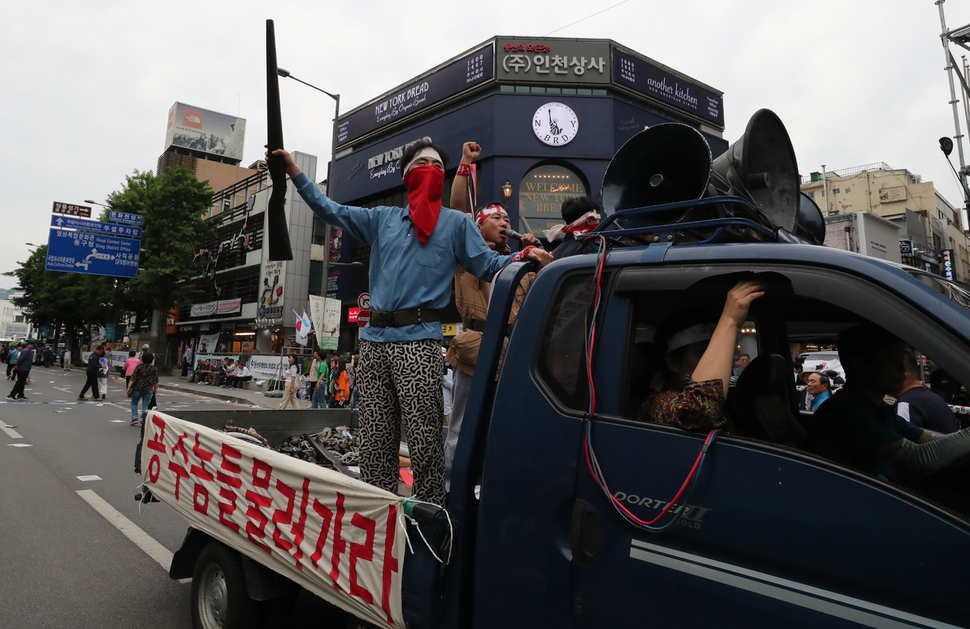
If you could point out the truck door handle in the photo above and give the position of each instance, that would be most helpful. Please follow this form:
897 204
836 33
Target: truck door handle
586 532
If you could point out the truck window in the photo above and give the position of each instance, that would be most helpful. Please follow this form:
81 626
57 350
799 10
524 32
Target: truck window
562 358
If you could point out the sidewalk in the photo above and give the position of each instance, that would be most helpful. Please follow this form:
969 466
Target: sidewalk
252 396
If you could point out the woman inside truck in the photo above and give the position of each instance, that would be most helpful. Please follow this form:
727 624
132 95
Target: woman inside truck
698 361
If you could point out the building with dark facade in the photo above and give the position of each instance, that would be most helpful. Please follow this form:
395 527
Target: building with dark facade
549 114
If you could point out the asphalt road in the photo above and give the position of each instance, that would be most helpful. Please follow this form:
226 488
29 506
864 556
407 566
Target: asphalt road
67 487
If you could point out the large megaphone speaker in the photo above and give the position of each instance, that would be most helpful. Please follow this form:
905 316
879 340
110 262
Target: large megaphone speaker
811 224
666 163
761 167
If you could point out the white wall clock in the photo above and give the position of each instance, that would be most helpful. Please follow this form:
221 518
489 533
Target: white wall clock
555 124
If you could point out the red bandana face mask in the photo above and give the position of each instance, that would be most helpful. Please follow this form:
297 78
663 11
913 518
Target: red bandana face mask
424 185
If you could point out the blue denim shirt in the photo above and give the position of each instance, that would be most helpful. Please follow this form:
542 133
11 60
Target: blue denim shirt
403 274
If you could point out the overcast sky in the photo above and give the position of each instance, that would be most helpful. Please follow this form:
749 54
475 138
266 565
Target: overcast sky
87 85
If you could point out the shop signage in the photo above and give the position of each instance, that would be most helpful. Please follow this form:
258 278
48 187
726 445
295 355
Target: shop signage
948 264
388 162
473 69
352 313
905 247
660 84
553 60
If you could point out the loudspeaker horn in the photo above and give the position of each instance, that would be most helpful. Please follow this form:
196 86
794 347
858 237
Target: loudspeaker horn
811 223
666 163
761 167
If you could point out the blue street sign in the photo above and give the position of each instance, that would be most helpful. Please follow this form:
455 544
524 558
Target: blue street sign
126 217
92 254
69 222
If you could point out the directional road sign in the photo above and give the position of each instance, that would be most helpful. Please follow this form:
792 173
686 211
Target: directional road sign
92 254
123 231
126 217
71 209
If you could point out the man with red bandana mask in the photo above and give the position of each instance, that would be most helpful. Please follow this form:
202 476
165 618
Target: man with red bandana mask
415 251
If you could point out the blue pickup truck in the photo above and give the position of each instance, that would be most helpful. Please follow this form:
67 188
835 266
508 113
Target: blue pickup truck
566 511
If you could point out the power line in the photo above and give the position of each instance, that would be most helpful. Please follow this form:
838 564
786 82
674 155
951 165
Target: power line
586 18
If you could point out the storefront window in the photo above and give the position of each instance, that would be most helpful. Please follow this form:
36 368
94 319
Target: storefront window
541 193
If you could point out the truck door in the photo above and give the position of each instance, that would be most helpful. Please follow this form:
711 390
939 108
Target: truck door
767 535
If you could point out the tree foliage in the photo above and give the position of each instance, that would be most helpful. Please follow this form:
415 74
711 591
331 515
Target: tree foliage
173 205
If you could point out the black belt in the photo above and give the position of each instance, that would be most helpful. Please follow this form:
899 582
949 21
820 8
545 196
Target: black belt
400 318
478 325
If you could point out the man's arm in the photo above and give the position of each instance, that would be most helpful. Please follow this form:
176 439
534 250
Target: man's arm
361 223
459 187
933 454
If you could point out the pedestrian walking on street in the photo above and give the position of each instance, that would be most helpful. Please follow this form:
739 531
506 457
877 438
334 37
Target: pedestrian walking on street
314 377
12 360
24 362
319 397
93 374
142 386
130 365
292 384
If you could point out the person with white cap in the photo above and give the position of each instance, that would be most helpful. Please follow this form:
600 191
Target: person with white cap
415 252
698 363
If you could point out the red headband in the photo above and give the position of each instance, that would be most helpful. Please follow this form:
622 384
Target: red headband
488 211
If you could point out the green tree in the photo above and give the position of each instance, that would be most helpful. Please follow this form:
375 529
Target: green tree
173 205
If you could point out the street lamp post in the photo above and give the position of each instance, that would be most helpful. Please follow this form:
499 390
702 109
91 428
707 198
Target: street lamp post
331 178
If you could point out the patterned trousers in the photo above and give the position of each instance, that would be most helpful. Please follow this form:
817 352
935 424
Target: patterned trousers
401 381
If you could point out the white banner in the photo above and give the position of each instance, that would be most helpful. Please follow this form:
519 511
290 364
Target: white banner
207 343
265 367
326 321
337 537
228 306
116 358
203 310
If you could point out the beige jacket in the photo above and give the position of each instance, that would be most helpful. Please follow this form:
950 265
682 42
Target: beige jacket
471 299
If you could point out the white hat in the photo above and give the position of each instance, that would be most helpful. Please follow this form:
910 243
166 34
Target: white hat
687 336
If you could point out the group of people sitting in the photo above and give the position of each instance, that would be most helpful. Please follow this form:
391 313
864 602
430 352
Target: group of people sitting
227 373
916 442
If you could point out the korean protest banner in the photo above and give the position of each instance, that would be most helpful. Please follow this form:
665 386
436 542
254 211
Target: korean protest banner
338 537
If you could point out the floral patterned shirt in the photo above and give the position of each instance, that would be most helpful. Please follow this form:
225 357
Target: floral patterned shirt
696 406
144 378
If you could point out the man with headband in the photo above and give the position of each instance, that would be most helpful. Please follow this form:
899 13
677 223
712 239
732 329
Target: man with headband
414 254
471 298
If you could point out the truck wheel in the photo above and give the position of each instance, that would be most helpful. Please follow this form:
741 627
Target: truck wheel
219 599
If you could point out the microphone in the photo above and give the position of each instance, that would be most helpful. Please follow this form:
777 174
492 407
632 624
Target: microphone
511 233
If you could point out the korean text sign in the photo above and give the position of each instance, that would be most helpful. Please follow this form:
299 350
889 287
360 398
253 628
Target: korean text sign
336 536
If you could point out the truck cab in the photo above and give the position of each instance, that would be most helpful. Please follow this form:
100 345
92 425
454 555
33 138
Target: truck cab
768 534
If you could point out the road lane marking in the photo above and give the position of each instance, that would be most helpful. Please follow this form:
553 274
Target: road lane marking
13 434
88 478
130 530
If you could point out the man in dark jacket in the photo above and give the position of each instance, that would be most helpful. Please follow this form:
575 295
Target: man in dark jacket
24 362
93 373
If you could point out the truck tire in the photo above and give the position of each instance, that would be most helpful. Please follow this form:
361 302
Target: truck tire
219 599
